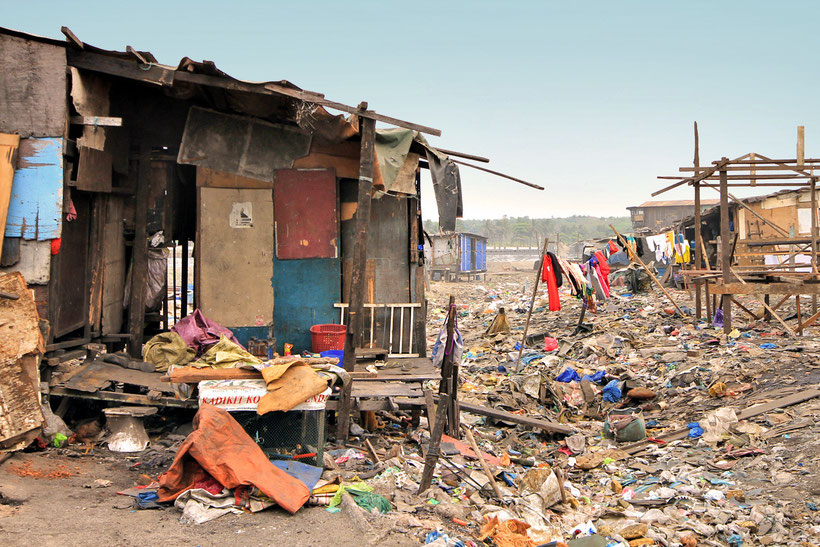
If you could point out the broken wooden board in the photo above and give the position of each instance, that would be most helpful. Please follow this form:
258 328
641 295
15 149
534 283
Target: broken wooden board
545 425
22 343
19 321
129 398
97 375
393 389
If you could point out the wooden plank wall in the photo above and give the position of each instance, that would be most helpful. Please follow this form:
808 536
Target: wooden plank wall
235 264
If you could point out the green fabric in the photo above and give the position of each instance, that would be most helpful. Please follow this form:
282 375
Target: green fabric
364 497
225 354
166 349
392 146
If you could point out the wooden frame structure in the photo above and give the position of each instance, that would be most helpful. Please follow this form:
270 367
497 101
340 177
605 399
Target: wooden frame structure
727 279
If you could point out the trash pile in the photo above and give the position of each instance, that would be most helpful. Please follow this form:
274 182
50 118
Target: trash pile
673 433
685 436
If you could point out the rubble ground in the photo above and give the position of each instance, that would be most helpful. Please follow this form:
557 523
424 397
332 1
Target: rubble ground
725 480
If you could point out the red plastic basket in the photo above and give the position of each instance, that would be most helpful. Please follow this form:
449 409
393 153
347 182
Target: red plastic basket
325 337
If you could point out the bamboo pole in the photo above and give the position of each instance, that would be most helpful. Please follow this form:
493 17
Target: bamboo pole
532 303
634 257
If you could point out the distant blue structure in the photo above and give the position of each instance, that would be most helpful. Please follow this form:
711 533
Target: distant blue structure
457 255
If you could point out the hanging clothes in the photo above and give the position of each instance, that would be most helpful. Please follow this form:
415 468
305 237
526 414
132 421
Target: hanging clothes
559 278
612 247
594 281
660 245
576 287
603 266
548 276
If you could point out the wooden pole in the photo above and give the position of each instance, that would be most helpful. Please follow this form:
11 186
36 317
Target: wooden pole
431 458
532 303
635 258
139 262
484 466
725 257
367 127
698 235
449 372
698 244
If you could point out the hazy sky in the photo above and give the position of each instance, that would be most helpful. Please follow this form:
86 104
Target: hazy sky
591 100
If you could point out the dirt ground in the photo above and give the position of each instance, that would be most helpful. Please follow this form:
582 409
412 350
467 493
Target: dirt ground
62 511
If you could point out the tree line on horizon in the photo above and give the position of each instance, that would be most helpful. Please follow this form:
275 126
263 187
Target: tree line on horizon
530 232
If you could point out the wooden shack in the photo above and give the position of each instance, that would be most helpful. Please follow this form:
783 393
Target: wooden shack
123 161
457 255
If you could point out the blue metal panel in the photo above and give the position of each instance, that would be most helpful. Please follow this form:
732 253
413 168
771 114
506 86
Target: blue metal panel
36 206
466 262
304 291
481 254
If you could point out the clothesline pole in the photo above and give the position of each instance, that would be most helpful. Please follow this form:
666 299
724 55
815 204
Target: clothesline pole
532 303
634 257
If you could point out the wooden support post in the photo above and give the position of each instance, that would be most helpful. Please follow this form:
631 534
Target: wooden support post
707 296
725 250
801 146
139 255
532 303
698 222
184 282
698 241
431 458
367 128
448 388
767 315
799 315
814 226
635 258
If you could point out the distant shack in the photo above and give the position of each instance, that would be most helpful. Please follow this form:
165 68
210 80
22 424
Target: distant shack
660 214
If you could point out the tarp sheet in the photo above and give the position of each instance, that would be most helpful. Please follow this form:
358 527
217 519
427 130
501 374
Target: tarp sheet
218 445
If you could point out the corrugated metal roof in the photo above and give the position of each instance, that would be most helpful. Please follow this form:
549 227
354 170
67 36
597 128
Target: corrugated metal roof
676 203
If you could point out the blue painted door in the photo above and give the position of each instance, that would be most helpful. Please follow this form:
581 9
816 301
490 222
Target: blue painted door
481 254
466 262
306 264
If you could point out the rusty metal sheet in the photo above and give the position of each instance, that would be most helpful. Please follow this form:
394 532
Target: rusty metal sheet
241 145
97 375
306 214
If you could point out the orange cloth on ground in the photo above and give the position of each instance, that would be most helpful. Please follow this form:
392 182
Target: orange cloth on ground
221 447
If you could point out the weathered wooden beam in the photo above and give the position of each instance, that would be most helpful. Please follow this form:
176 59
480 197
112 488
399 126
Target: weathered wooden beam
499 174
108 121
482 159
166 76
725 250
766 288
356 297
139 261
72 38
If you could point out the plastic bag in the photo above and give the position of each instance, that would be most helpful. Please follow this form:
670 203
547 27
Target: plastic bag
441 340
